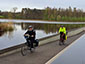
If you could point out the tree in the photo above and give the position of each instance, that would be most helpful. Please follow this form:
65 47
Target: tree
47 13
58 18
70 12
74 12
14 9
10 15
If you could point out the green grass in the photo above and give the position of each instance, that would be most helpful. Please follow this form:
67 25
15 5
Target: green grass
76 19
65 18
1 16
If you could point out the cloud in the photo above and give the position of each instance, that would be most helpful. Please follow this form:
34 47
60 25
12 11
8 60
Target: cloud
7 4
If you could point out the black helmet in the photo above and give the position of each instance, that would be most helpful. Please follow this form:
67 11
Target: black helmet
62 26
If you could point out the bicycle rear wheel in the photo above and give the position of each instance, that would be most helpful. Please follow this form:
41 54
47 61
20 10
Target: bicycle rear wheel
24 50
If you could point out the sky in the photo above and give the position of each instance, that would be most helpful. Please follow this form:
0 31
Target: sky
7 5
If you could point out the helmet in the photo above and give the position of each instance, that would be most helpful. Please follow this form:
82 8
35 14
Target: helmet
61 25
30 26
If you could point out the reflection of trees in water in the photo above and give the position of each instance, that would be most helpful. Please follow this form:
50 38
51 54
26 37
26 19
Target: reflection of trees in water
1 33
6 28
50 27
9 33
37 26
47 28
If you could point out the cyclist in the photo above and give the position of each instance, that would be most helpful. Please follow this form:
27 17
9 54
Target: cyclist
62 31
30 36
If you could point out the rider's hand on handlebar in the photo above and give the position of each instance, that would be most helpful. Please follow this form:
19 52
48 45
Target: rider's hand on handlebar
27 35
32 36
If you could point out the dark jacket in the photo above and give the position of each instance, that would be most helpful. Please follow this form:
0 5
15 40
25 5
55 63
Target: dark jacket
31 33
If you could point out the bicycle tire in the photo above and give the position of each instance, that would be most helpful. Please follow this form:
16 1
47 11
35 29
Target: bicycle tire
24 50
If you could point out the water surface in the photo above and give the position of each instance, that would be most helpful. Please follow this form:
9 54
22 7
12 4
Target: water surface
42 28
15 37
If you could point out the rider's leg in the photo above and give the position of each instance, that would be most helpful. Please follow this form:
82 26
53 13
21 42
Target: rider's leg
63 40
32 41
28 42
36 43
60 42
64 36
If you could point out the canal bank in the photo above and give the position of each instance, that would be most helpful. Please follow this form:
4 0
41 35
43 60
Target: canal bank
42 41
38 21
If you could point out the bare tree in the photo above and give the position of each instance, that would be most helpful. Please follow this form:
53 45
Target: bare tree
14 9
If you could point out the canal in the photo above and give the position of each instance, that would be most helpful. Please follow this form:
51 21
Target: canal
15 37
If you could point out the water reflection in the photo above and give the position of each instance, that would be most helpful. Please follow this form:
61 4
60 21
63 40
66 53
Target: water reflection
45 27
15 37
9 33
1 33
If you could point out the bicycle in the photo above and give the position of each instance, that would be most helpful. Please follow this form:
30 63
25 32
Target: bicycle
25 49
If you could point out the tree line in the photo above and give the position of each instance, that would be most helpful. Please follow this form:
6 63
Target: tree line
51 14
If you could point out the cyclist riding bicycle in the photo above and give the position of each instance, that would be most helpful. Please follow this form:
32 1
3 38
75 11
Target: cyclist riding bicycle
62 31
30 36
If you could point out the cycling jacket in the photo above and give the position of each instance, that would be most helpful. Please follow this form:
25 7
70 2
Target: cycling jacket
31 33
62 30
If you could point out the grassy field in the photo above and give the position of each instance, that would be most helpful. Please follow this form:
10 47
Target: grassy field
79 19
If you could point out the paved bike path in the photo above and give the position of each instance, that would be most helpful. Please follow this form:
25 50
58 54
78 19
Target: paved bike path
40 56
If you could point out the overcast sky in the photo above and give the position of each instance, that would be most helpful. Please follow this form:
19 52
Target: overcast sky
7 5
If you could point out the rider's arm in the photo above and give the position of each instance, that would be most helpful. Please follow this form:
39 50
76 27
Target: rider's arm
26 34
59 30
64 30
33 34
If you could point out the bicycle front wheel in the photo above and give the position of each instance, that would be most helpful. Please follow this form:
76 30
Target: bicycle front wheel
24 50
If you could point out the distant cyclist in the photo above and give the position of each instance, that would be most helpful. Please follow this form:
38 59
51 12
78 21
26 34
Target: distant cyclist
62 31
30 36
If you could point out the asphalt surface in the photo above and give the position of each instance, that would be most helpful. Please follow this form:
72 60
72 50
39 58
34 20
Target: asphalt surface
74 54
40 56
